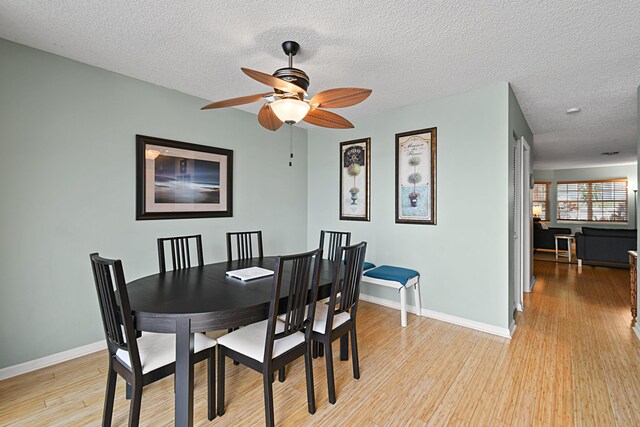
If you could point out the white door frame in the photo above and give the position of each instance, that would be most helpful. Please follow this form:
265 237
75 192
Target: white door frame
522 222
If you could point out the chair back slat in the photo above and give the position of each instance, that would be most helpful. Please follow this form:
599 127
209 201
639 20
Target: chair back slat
300 274
181 253
244 242
346 281
115 308
334 240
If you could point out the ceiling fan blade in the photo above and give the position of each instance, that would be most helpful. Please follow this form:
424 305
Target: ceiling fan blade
236 101
274 82
327 119
339 98
268 119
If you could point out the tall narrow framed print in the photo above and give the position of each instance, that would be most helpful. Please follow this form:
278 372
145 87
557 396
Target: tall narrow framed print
181 180
416 177
354 179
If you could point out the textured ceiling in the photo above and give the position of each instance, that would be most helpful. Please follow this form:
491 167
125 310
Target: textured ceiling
556 54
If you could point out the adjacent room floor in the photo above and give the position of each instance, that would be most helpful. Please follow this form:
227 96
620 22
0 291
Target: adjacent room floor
573 360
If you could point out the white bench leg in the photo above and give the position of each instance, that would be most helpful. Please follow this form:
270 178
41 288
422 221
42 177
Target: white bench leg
403 306
416 292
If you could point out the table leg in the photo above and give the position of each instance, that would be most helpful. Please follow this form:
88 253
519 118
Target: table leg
570 248
344 347
556 239
184 374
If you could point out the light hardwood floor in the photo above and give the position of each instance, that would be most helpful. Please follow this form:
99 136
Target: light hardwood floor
573 360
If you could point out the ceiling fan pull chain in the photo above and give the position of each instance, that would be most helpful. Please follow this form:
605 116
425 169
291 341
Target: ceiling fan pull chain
290 145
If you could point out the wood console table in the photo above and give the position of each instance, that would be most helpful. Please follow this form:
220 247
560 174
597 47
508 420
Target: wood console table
633 256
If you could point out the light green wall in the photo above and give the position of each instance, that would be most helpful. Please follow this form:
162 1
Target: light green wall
604 172
518 128
67 185
463 259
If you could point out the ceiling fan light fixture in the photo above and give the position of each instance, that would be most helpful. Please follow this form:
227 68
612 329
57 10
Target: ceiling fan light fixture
290 110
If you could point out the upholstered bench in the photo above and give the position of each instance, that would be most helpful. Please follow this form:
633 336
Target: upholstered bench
397 278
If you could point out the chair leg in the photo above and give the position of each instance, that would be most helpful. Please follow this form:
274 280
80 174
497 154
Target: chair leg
268 399
354 352
109 396
211 384
308 367
281 374
136 403
221 369
229 331
315 349
320 349
330 379
127 391
344 347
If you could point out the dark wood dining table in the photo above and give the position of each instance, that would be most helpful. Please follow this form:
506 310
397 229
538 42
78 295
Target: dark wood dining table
201 299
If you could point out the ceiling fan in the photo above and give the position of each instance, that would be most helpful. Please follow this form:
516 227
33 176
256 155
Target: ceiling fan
289 102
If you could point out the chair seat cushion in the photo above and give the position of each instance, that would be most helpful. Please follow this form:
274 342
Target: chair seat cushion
158 350
250 340
395 274
320 318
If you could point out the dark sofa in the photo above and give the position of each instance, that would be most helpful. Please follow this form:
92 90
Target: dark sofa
544 239
606 245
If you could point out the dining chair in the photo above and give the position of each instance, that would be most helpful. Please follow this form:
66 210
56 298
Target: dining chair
334 240
338 318
268 346
138 359
181 251
244 242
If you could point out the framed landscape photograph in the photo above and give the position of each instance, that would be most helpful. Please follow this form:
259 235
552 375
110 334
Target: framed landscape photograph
181 180
354 179
416 177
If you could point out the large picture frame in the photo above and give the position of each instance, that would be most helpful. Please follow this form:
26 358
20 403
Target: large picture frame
355 171
416 177
181 180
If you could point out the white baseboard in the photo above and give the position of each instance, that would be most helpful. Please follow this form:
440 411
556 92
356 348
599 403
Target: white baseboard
478 326
512 328
43 362
533 283
636 329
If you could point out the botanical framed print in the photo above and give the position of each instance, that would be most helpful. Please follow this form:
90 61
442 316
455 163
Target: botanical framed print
416 177
182 180
354 179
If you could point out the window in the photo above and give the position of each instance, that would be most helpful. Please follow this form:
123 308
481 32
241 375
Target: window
540 198
595 201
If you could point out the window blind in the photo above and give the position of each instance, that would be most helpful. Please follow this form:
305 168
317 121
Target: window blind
594 201
540 197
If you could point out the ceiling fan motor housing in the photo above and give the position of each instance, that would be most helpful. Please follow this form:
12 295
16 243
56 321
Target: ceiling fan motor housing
293 75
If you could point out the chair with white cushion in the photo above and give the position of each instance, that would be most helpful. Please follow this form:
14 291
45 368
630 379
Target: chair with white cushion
247 244
143 359
268 346
184 250
333 240
338 318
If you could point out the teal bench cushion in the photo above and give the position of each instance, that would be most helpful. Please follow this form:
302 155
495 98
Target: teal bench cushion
395 274
367 265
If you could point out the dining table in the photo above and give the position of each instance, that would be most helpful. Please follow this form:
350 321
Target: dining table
201 299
